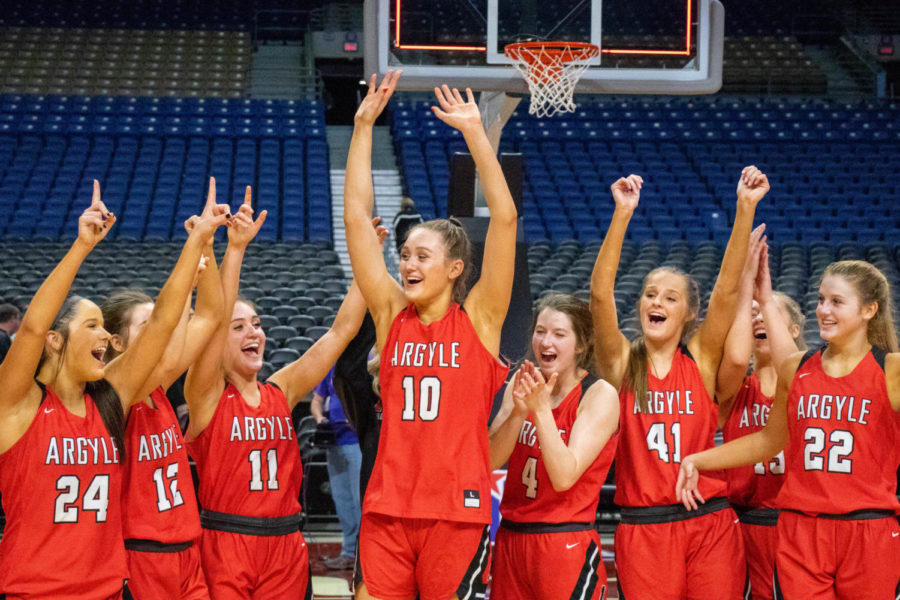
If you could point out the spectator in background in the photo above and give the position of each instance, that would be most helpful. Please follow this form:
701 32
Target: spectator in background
10 319
343 460
405 220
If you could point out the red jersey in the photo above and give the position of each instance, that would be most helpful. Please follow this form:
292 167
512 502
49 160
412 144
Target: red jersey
844 445
437 387
159 499
681 420
247 458
535 500
61 485
756 485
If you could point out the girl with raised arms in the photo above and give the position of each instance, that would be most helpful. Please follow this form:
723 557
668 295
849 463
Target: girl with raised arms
557 427
243 441
666 380
836 415
161 522
427 505
62 424
745 401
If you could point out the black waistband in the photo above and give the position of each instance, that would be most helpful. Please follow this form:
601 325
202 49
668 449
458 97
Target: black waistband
856 515
544 527
757 516
261 526
154 546
670 513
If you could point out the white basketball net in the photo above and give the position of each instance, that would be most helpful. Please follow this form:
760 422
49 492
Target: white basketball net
551 70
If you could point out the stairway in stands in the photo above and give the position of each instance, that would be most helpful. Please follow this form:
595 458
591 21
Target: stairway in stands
387 183
281 72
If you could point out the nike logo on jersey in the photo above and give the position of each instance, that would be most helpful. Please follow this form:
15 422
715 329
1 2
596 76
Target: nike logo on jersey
47 411
802 375
895 534
570 546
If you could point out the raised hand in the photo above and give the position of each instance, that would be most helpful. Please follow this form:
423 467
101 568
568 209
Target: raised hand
762 288
213 216
243 228
456 112
757 243
753 184
96 221
380 230
626 191
686 484
376 99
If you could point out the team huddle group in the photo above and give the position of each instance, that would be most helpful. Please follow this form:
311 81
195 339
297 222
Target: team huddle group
799 503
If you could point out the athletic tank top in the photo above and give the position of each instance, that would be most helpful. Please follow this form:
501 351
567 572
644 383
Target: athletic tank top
681 420
159 500
61 485
529 497
756 485
437 387
844 445
247 458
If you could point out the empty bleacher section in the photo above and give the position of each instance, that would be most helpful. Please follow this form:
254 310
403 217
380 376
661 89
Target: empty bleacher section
154 155
835 168
296 287
767 65
120 62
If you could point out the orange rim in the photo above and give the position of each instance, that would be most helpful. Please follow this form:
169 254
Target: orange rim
551 51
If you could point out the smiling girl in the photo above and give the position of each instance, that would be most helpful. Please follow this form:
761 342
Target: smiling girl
557 427
427 505
62 424
666 380
837 416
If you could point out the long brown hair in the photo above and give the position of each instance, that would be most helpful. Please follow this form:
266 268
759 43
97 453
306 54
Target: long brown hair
872 286
458 247
101 391
638 359
582 324
117 309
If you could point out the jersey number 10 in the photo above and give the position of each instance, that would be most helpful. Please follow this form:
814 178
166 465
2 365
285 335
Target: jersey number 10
429 398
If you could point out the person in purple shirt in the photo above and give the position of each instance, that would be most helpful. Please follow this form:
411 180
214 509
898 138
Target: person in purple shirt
343 460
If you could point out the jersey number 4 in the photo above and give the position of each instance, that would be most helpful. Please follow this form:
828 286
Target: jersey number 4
529 477
838 454
429 398
96 498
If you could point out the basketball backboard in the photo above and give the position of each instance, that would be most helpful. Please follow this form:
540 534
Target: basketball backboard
652 46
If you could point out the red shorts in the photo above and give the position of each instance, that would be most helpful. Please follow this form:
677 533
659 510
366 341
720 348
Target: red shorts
239 566
436 558
759 547
175 575
820 558
547 566
698 558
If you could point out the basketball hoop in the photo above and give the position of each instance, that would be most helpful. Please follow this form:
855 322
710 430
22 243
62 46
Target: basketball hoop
551 69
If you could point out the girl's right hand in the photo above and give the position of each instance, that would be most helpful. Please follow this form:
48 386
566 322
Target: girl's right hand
96 221
686 485
376 99
204 226
626 191
762 289
243 228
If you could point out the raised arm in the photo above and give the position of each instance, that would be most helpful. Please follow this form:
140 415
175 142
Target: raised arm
739 341
597 421
130 370
18 368
785 355
488 301
382 293
297 379
892 374
747 450
206 378
506 425
611 347
706 345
